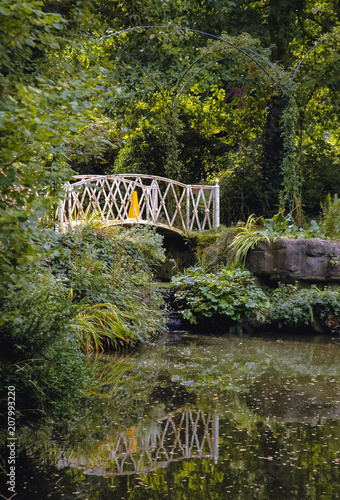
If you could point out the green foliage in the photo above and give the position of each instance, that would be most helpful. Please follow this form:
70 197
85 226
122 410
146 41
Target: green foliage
241 183
331 216
294 307
94 151
178 143
46 98
228 296
246 239
144 152
231 296
101 327
320 172
109 270
39 354
41 313
211 247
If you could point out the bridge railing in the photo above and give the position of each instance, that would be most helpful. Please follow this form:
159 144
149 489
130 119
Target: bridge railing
141 198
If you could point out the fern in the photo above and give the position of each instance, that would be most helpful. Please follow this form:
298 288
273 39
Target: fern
87 272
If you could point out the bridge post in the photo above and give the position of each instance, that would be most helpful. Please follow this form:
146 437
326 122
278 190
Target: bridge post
217 204
154 203
148 204
187 442
187 222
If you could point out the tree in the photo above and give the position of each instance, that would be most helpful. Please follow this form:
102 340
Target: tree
163 88
45 100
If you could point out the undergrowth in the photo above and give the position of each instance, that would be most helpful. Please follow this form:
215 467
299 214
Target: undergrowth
110 273
94 290
230 297
224 298
296 307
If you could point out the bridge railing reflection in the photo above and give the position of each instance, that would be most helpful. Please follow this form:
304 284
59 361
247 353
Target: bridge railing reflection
178 436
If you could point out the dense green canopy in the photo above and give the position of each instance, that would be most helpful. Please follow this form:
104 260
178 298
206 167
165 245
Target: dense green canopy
204 89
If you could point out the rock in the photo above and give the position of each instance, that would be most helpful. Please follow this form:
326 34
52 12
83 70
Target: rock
290 260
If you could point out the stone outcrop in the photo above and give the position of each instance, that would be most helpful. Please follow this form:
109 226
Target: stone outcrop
290 260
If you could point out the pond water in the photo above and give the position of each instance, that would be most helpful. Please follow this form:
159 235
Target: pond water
198 417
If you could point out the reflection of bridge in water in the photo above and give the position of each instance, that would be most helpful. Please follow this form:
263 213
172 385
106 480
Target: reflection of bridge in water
130 198
178 436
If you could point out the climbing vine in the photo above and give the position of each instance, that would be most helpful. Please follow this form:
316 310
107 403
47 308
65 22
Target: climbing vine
291 190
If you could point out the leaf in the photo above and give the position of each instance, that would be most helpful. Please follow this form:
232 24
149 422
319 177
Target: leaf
30 42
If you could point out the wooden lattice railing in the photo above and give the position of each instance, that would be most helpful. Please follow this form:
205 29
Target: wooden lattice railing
141 198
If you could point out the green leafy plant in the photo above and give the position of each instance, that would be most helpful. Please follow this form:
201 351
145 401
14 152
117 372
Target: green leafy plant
110 272
247 237
280 224
294 307
228 296
101 326
39 353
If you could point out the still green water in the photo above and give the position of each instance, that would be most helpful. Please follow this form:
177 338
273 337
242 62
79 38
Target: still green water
198 417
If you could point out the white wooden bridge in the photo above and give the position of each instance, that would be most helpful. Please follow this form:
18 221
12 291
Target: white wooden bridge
144 199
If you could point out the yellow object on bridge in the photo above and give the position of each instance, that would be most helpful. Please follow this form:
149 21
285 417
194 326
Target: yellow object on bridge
134 207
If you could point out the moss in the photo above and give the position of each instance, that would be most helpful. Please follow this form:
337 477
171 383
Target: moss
211 247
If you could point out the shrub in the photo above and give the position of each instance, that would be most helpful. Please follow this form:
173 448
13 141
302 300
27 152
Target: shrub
101 326
39 354
41 312
294 307
231 296
241 184
320 173
109 270
228 297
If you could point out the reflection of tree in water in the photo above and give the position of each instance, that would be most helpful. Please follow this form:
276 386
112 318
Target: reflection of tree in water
172 394
290 400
